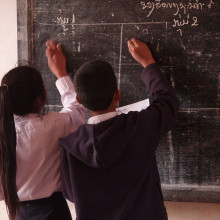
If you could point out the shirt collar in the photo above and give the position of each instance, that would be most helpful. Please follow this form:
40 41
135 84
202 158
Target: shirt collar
19 118
99 118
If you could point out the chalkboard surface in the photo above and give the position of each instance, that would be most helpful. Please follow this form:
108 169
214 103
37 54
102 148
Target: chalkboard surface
184 38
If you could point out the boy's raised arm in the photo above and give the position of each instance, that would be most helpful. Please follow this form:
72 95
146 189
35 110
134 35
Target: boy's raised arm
162 112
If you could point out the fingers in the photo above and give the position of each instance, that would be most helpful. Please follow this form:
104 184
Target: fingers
59 48
133 43
48 52
51 43
131 49
130 43
56 58
130 46
140 52
48 43
53 48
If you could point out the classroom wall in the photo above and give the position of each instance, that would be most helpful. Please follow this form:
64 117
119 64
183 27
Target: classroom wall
8 59
8 35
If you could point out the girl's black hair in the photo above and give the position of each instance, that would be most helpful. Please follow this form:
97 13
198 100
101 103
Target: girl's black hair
19 89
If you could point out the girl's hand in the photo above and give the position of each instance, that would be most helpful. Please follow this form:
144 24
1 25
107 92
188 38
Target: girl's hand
56 59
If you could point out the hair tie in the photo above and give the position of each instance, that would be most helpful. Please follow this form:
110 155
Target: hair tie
5 85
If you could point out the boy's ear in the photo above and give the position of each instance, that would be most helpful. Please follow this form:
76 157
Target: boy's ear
117 96
78 100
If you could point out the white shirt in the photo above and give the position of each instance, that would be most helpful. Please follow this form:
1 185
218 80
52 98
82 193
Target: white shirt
103 117
38 150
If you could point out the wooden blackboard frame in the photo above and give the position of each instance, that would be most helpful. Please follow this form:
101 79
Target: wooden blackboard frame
25 52
24 31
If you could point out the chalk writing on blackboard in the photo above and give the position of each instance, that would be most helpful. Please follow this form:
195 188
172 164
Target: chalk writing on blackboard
183 12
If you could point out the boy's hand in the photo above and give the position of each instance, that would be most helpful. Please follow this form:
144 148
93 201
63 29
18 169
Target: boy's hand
56 59
140 52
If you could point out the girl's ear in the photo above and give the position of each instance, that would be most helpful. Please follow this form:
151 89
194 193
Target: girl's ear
38 104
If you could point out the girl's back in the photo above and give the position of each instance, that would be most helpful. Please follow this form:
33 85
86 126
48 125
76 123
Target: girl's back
29 148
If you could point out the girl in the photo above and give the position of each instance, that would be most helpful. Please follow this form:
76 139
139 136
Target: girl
29 149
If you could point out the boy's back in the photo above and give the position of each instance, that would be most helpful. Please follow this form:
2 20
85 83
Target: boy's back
109 169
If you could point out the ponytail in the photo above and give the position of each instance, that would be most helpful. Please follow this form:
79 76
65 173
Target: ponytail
8 152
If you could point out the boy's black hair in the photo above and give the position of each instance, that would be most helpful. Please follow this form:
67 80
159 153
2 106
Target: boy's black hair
95 84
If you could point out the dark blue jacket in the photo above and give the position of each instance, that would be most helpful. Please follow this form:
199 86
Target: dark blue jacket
109 170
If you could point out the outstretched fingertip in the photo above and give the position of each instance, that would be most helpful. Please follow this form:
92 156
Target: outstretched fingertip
130 43
48 43
59 47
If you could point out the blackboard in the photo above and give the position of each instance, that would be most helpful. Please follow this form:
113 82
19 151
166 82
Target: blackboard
184 39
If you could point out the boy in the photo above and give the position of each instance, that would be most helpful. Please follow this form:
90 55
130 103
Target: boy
108 166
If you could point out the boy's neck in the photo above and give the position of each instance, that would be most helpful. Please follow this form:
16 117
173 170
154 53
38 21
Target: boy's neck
95 113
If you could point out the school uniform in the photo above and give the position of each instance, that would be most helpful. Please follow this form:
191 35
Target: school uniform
38 156
108 167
